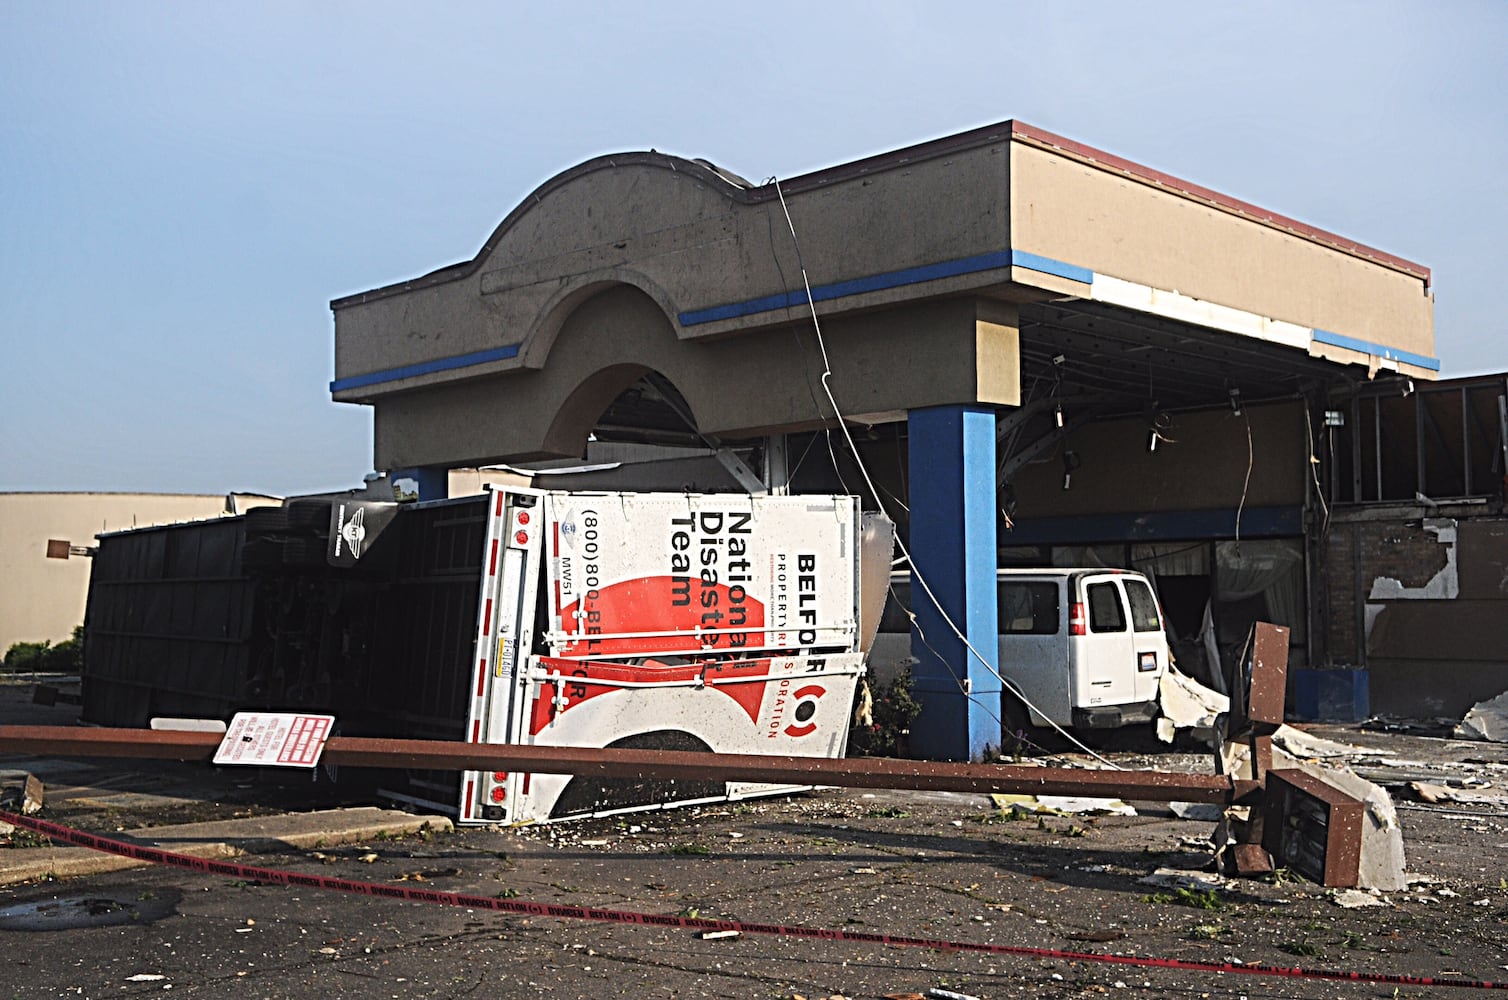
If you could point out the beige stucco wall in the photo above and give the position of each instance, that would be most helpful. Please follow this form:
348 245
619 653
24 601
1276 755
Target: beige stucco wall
685 238
950 351
1113 224
43 599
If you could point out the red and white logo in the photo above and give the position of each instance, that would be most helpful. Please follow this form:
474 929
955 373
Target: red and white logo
805 710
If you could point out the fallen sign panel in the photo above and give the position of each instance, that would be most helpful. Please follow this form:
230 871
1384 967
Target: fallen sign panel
274 739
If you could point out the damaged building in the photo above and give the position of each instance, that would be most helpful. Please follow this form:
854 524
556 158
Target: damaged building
1046 355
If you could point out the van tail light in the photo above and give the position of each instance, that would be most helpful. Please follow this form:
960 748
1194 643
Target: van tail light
1076 619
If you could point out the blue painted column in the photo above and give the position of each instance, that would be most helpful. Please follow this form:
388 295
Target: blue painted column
952 486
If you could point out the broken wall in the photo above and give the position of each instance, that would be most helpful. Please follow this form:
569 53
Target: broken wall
1419 597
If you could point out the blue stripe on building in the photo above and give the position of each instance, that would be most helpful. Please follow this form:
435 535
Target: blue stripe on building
425 368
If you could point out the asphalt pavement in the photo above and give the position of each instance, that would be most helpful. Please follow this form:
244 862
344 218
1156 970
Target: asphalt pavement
927 865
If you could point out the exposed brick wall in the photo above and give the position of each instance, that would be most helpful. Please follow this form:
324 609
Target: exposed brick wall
1400 549
1336 604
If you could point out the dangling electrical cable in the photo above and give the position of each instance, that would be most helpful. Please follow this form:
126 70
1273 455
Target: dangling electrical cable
875 493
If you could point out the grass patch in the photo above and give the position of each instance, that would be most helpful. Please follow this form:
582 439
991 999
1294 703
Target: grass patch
887 812
1196 899
688 849
1209 932
1301 948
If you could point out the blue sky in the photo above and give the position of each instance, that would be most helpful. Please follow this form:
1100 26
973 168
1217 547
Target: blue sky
184 187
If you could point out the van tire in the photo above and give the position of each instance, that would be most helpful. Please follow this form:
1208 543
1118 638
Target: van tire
1021 737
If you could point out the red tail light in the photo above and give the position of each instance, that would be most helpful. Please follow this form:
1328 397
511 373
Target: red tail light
1076 619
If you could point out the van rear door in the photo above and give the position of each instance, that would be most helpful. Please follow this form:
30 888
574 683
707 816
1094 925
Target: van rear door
1147 636
1104 657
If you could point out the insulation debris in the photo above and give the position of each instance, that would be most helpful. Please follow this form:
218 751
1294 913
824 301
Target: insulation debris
1187 704
1204 811
1061 805
1487 720
1302 746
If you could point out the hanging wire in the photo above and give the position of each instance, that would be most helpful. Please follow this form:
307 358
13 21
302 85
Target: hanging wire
875 494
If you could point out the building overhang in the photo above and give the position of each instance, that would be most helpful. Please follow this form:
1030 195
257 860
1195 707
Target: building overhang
1114 266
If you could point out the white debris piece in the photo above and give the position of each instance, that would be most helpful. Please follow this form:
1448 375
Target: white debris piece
1187 704
1354 899
1177 878
1062 805
1204 811
1487 720
1306 747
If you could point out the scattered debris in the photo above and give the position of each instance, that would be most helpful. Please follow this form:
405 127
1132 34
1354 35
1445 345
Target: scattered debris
1439 794
938 993
1355 899
20 791
1097 936
718 935
145 977
1487 720
425 876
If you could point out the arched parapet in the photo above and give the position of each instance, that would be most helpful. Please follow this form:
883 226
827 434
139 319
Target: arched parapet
630 219
554 314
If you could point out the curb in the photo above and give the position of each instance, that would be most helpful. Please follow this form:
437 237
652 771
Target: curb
223 839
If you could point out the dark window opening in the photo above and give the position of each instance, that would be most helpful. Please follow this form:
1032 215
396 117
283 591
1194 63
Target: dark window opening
1028 608
1144 617
1105 611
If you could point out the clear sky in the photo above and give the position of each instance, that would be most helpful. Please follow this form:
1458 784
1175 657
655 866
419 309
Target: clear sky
185 186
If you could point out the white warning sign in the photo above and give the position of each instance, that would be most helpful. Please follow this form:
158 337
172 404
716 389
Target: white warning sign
274 739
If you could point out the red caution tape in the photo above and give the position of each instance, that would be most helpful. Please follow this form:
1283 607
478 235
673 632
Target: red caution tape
252 873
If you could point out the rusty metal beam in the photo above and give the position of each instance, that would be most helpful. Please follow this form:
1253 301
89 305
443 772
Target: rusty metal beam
861 772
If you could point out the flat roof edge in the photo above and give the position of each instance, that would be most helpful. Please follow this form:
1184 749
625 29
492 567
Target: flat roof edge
1156 178
1008 130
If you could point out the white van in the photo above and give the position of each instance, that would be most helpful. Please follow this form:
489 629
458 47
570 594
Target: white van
1085 646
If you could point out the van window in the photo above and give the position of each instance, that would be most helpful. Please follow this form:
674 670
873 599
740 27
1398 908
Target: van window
1143 607
1105 613
1028 608
897 603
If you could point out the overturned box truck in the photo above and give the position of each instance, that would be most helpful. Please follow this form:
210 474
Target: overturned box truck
707 622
